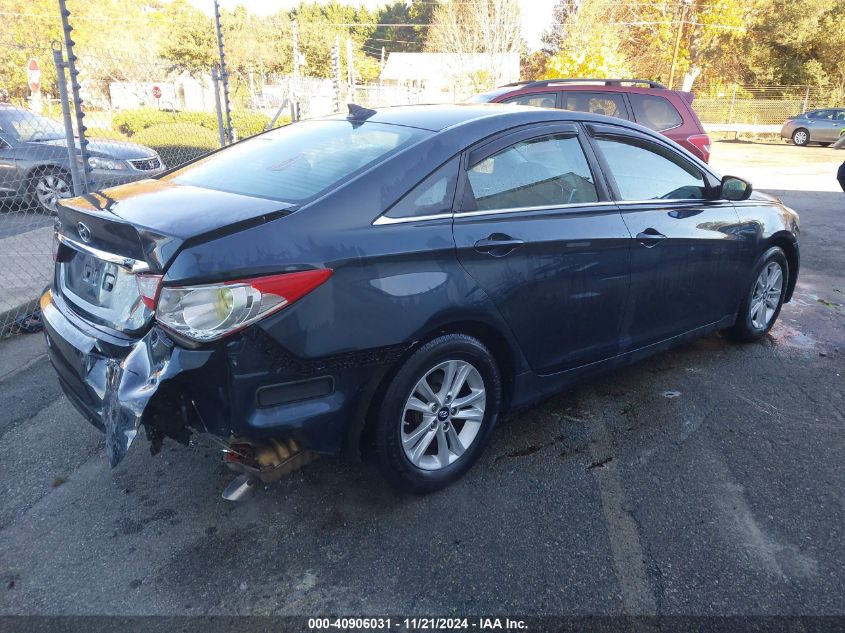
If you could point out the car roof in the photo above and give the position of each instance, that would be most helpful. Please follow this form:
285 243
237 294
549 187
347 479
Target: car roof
436 118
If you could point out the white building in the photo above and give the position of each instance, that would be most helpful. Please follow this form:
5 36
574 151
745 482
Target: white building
449 76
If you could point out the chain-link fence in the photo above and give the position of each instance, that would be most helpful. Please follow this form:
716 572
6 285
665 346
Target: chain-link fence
757 105
143 114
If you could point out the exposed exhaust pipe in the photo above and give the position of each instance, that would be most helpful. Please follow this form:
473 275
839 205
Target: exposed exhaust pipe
261 461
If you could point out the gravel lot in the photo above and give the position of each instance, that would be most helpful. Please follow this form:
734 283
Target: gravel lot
707 480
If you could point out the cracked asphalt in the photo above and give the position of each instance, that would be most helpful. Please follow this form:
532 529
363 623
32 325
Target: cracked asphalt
707 480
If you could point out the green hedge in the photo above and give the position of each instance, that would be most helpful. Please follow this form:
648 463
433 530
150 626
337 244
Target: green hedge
131 122
178 143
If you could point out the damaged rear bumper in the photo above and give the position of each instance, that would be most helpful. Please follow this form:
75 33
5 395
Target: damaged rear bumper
245 387
111 380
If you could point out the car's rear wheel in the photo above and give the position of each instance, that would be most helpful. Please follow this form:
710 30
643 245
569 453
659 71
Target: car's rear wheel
47 187
801 137
438 413
763 300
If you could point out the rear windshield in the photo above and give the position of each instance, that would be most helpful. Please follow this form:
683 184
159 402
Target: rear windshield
654 112
298 162
487 97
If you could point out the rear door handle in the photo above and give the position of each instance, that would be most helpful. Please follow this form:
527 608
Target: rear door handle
650 237
497 245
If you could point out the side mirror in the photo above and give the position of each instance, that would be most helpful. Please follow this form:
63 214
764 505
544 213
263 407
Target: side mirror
735 189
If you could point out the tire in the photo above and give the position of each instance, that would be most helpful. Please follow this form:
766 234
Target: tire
751 324
47 186
801 137
438 448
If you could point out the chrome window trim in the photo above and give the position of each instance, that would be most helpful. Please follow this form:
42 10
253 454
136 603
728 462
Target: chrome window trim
384 220
547 207
132 265
664 201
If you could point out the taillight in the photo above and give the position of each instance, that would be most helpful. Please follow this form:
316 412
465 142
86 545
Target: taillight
212 311
701 142
148 286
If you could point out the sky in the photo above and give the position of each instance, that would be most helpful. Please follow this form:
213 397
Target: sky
536 14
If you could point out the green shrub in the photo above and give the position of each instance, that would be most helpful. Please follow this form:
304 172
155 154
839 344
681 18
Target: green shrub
106 133
131 122
178 143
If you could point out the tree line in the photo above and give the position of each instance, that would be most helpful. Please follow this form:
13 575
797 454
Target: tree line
693 42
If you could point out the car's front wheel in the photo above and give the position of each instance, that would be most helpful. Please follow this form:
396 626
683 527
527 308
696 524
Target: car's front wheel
48 186
763 300
801 137
438 413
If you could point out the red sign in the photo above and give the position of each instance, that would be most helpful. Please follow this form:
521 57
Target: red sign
156 92
33 75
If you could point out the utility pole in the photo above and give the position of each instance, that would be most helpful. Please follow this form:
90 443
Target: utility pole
350 72
336 73
224 74
681 22
380 80
294 27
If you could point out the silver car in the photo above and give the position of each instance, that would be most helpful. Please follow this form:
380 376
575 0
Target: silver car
815 126
34 162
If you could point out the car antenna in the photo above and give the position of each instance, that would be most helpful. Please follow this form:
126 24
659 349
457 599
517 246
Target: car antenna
359 113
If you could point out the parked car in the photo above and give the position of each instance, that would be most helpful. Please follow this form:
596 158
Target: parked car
645 102
399 279
814 126
34 161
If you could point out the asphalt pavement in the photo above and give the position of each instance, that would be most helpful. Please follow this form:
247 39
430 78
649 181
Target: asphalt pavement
707 480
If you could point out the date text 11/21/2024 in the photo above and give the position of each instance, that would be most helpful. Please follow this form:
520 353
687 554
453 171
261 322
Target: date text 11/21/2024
417 624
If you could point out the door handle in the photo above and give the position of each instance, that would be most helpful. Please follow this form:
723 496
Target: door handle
650 237
497 245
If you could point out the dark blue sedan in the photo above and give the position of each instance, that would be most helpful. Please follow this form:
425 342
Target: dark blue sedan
393 282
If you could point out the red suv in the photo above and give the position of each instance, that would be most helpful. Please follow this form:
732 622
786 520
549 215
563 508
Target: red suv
654 106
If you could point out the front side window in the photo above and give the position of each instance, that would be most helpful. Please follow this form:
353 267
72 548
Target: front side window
607 103
644 172
546 100
298 162
545 171
654 112
822 115
432 196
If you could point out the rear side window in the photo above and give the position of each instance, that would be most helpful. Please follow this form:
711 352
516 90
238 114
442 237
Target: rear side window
654 112
547 100
298 162
545 171
644 172
607 103
432 196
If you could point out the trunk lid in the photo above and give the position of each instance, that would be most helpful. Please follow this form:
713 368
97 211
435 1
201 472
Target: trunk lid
107 237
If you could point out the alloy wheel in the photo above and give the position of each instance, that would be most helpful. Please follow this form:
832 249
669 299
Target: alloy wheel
766 295
50 188
800 138
443 414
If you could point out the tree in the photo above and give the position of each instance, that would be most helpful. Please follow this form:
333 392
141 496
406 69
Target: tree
590 44
491 27
711 34
189 43
803 46
27 32
402 38
562 14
